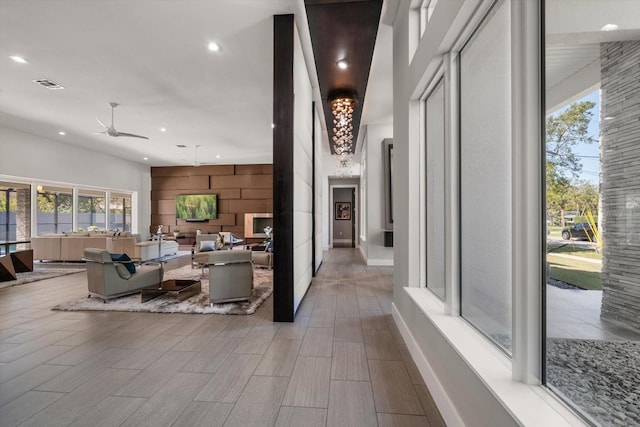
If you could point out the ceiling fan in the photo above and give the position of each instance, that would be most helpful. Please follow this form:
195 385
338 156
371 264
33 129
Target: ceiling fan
195 161
111 130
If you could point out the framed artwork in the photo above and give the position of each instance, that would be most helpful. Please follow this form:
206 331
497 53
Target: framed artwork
343 210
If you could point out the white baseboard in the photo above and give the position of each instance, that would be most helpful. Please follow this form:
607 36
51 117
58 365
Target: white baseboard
343 241
440 397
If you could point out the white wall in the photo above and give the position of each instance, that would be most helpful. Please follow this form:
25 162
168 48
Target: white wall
31 157
375 252
303 175
471 382
319 187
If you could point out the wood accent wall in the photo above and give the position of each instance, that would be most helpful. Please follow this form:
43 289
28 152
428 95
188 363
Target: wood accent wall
240 188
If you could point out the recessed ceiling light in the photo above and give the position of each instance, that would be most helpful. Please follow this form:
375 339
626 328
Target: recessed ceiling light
609 27
609 118
214 47
145 158
217 156
273 125
163 129
343 64
19 59
63 133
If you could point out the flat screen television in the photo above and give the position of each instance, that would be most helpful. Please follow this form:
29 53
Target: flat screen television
197 207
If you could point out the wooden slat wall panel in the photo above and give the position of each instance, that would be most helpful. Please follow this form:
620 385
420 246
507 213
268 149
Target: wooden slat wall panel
165 220
237 230
240 188
223 206
180 183
242 181
223 193
256 193
166 207
254 169
190 171
248 205
224 219
229 193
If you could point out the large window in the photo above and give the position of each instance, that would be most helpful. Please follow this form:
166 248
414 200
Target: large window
55 209
592 52
485 177
120 212
15 214
8 207
435 172
91 209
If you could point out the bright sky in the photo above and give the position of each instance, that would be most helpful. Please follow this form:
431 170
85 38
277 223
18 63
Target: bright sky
591 152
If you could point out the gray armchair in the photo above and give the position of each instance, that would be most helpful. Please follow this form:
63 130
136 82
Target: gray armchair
230 275
109 279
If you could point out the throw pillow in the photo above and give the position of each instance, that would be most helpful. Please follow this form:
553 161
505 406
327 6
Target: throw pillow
122 271
123 258
208 246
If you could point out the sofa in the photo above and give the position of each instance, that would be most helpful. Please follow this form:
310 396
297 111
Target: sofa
71 246
151 249
109 279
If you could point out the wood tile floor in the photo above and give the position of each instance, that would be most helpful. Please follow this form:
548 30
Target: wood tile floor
342 363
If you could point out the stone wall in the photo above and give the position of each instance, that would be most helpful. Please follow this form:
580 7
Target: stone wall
620 189
23 214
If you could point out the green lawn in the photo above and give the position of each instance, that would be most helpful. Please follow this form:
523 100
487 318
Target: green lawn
583 274
570 249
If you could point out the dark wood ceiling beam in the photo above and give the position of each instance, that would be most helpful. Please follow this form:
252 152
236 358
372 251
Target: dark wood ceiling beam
344 29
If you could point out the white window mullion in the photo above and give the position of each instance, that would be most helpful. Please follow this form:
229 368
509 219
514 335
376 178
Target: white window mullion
107 207
74 209
452 184
527 203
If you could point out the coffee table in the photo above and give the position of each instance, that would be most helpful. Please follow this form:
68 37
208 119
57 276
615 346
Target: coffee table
179 289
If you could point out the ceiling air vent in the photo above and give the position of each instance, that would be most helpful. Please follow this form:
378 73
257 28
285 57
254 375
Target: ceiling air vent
48 84
181 146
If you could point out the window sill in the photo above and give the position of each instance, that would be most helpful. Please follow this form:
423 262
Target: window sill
528 404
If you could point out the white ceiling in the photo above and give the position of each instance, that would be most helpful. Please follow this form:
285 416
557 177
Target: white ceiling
151 57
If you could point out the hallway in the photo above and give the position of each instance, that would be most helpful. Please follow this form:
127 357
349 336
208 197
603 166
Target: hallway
342 362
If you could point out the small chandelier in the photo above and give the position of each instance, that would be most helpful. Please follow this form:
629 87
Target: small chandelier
342 107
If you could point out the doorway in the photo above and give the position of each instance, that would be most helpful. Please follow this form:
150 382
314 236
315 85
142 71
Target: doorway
344 217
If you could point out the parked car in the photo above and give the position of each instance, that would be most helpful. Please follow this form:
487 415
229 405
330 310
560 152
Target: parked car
580 231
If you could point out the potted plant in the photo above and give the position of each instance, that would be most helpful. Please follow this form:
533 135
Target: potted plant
176 232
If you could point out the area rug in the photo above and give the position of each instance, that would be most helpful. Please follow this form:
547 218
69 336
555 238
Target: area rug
197 304
39 273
